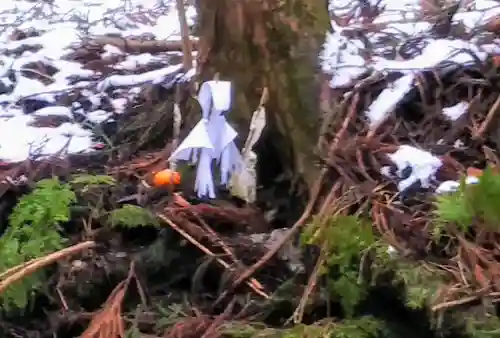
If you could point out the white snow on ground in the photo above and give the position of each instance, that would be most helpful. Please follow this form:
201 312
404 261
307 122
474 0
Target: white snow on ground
371 37
63 24
424 166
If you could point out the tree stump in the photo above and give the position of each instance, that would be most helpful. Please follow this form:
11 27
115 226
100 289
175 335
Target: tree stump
274 44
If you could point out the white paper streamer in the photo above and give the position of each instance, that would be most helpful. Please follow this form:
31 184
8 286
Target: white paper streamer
213 137
244 184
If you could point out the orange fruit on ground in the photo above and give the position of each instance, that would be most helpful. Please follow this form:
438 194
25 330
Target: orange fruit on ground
471 171
166 177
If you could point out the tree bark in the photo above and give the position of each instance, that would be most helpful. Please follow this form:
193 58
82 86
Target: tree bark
274 44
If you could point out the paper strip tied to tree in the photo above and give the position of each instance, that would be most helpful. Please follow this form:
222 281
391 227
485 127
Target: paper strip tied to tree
212 139
244 183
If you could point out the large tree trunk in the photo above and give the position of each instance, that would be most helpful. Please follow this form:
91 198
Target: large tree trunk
273 44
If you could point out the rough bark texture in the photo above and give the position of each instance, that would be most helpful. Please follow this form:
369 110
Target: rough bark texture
273 44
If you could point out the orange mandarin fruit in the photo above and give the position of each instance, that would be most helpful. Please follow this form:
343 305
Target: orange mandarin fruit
166 177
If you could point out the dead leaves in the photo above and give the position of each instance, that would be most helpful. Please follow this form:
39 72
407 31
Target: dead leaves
108 323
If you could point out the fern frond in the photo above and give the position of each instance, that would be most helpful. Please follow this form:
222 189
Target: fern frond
34 232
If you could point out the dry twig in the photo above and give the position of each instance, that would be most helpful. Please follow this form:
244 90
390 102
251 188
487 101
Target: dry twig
17 273
108 323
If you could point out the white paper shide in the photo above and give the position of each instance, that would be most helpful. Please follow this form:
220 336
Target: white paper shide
212 139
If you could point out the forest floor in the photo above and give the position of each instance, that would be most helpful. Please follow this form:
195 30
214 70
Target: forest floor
397 237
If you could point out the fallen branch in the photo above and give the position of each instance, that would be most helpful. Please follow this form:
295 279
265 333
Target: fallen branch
462 301
132 46
17 273
255 285
296 227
